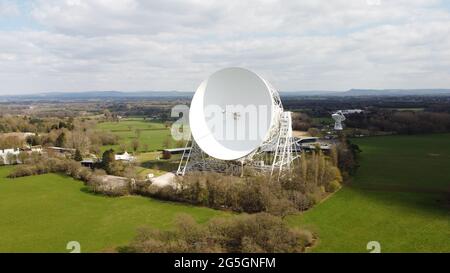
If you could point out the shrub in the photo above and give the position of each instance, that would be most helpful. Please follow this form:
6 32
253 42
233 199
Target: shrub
305 236
85 174
109 186
253 194
333 186
260 232
21 171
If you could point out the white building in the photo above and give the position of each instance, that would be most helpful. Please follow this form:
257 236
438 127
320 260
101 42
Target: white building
125 157
7 153
36 149
352 111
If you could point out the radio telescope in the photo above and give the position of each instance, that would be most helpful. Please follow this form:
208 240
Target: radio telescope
236 119
338 119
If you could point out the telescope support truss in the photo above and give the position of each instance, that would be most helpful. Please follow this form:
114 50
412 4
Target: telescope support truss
275 156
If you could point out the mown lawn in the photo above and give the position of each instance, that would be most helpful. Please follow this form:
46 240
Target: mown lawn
412 162
397 198
43 213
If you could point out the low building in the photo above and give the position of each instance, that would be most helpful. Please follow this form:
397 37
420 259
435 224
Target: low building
9 156
352 111
305 140
125 157
90 163
61 150
312 143
175 151
33 149
167 153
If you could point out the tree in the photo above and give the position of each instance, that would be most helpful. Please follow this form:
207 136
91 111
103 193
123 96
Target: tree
123 147
34 140
334 155
135 144
11 159
108 160
167 143
138 133
78 139
78 157
314 132
107 114
96 150
22 157
61 140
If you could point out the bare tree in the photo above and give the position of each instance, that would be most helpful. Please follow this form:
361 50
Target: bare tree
135 144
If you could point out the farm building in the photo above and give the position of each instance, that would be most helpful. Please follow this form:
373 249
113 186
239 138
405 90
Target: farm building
125 157
167 153
60 150
9 156
175 151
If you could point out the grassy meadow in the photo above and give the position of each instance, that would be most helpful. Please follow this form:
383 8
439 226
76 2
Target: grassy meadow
397 198
43 213
153 134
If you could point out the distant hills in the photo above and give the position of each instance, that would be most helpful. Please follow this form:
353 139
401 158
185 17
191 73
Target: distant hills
115 95
372 92
96 95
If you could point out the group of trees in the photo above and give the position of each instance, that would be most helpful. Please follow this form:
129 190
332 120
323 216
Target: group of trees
314 177
257 233
37 164
85 140
10 123
402 122
301 121
116 167
345 153
8 142
68 132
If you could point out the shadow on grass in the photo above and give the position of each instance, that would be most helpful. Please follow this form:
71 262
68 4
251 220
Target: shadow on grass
434 203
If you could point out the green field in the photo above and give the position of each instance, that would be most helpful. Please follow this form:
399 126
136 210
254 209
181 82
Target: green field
153 134
397 198
43 213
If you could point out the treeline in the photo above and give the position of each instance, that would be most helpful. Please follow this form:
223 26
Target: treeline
401 122
84 139
73 133
345 153
321 106
257 233
36 164
301 121
9 124
311 180
8 142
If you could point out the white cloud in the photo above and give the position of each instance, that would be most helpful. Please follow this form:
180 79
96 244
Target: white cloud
8 9
167 45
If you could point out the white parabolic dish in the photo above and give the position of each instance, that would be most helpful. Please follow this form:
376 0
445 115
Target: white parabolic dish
232 113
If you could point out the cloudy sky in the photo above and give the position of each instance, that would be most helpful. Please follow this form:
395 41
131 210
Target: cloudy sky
132 45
